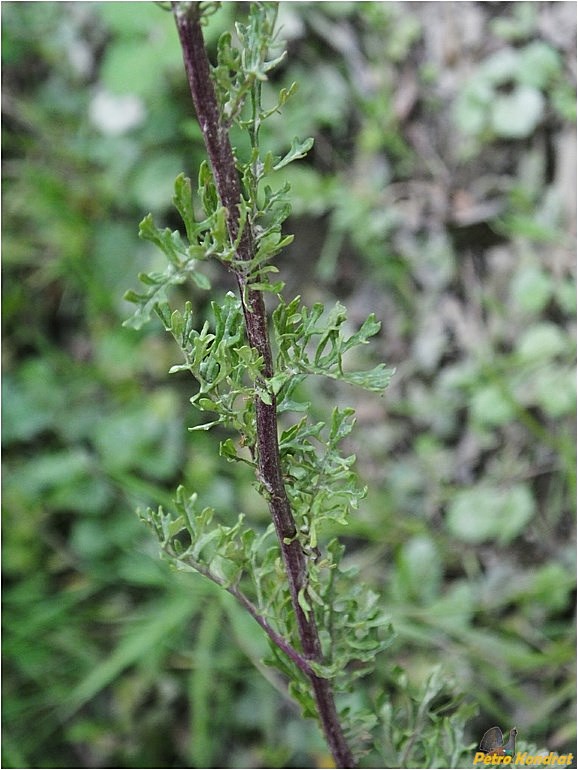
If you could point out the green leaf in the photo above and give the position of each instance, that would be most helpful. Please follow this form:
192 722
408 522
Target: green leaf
539 64
298 150
490 406
183 202
181 268
532 288
163 311
542 342
273 288
161 238
486 513
296 326
369 329
516 115
228 449
303 603
207 189
376 379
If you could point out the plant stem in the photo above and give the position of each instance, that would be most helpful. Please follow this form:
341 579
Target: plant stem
283 645
216 137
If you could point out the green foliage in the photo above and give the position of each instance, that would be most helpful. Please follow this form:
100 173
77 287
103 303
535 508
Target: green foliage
435 736
485 108
295 328
460 262
490 514
321 486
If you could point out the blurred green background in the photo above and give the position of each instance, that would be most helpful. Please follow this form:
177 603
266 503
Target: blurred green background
440 194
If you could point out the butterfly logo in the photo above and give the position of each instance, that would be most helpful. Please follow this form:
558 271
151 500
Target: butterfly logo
493 742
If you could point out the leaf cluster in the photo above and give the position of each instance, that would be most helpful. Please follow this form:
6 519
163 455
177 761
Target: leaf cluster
239 69
425 727
206 238
248 565
320 482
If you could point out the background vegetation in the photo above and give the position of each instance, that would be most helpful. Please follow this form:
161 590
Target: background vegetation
440 195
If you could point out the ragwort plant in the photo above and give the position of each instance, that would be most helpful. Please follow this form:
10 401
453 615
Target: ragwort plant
325 628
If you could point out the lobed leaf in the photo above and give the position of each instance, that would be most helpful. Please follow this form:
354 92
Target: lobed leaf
299 149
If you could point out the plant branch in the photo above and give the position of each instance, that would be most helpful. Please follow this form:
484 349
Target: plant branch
276 638
215 134
296 657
